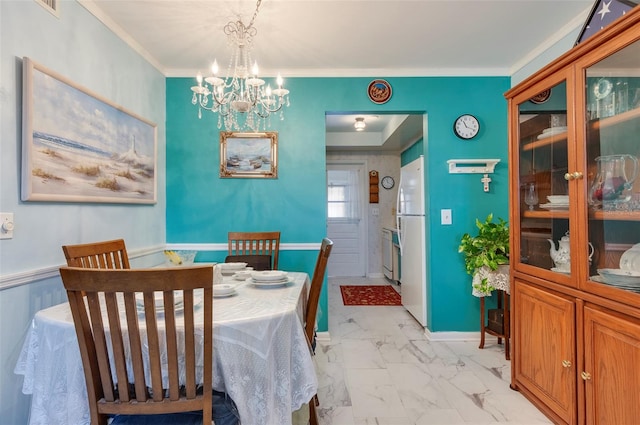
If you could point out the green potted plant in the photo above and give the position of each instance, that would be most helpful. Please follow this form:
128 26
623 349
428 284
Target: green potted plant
490 249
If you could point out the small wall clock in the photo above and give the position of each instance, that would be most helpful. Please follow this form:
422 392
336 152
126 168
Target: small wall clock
388 182
466 126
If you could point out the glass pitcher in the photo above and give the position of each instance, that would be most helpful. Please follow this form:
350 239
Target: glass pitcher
611 184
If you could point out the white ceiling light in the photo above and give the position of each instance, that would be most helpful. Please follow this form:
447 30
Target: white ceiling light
240 99
360 124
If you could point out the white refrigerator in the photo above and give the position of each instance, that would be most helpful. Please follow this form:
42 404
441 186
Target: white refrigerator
411 236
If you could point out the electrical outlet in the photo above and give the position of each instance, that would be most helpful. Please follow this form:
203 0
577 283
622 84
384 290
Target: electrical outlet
445 217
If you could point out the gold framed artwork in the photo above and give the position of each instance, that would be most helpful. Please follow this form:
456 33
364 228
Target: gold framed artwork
249 155
80 147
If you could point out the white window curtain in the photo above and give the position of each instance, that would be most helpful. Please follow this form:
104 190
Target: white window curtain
343 197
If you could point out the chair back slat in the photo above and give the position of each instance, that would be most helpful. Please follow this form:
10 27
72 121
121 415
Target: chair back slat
118 324
255 243
117 344
98 255
131 309
311 310
172 346
316 287
190 355
153 345
100 343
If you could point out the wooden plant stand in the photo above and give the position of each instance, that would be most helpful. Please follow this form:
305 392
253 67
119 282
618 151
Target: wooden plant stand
498 323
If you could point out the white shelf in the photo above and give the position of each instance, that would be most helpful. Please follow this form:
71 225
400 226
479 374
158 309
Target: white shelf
472 166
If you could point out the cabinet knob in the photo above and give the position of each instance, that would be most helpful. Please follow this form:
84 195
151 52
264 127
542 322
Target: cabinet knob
585 375
573 176
566 363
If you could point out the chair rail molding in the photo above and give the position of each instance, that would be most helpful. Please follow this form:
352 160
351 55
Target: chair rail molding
29 276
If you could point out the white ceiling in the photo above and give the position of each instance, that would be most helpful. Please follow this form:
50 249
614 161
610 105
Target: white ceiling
346 37
367 38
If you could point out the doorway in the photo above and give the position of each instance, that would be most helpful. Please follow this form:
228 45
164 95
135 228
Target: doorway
377 146
346 220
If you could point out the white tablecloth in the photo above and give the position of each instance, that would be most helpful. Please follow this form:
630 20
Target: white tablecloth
261 358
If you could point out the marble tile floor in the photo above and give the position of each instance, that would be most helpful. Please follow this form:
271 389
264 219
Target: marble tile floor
379 368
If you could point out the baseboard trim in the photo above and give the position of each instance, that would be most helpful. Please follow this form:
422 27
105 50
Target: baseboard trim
455 336
323 336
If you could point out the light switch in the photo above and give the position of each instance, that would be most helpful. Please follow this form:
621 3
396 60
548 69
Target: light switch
6 225
375 211
445 217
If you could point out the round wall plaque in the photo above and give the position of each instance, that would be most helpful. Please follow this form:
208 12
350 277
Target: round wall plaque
541 97
379 91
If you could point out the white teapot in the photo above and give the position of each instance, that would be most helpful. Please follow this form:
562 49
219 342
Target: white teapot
562 256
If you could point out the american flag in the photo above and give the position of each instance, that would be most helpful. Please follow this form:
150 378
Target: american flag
602 14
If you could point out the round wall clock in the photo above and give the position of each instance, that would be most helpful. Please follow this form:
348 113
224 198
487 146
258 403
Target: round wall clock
466 126
388 182
379 91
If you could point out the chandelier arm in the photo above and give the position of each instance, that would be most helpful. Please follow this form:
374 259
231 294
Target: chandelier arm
270 110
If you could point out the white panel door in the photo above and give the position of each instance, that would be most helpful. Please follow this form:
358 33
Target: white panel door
346 222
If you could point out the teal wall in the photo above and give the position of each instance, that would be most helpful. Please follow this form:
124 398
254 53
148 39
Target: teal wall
202 207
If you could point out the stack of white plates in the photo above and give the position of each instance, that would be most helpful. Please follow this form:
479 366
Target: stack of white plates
159 302
556 202
269 278
222 290
552 131
630 259
242 274
624 279
228 269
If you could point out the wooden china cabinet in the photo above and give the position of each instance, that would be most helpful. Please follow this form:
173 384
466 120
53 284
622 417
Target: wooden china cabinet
574 139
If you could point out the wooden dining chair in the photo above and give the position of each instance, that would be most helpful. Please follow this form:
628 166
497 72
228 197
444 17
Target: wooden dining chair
255 243
312 311
161 344
98 255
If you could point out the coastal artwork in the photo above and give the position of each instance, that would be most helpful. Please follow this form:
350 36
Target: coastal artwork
78 147
249 154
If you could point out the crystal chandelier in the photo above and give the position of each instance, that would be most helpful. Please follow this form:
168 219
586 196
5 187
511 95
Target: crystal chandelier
241 99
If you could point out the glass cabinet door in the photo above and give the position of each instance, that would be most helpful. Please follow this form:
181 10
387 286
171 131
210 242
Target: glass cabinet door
612 150
543 189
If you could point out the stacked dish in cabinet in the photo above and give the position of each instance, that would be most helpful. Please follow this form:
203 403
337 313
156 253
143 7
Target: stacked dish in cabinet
627 276
556 202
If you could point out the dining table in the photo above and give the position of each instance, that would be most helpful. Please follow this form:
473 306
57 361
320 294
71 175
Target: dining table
262 358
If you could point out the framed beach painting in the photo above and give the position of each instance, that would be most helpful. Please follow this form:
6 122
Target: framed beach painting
79 147
252 155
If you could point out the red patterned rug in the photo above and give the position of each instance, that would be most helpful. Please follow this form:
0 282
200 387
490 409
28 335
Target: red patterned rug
369 295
